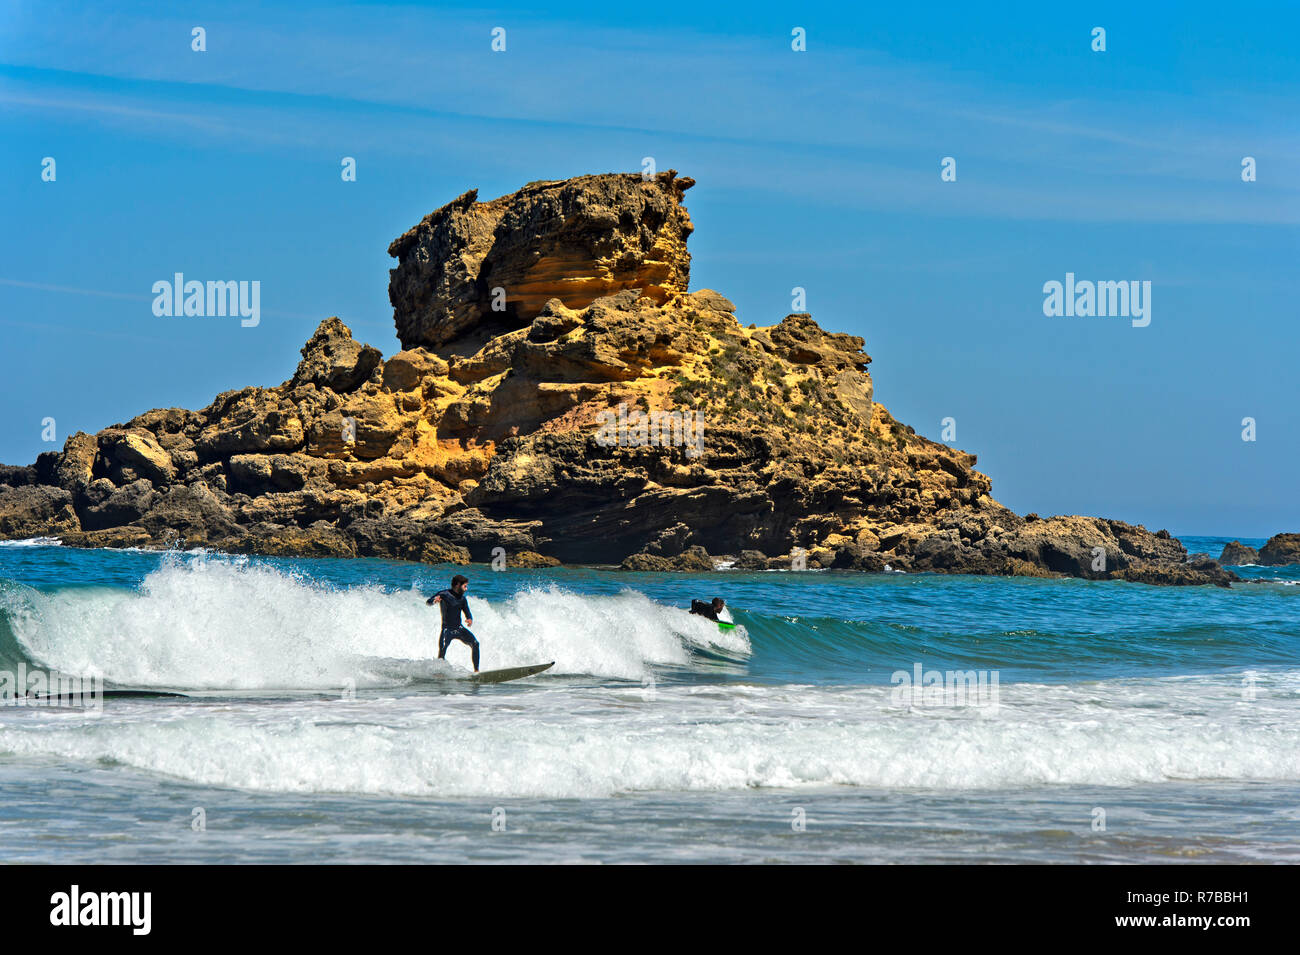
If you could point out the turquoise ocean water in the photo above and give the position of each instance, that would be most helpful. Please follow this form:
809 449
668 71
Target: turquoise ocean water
1071 721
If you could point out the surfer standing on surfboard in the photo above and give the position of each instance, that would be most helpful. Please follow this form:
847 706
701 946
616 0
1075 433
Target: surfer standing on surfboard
452 603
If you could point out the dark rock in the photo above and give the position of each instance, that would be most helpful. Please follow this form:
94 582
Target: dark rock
267 473
271 540
1075 546
1014 567
694 559
1280 549
1237 554
1151 572
1138 542
333 359
752 560
110 537
11 476
404 539
193 514
530 559
858 556
35 511
472 529
670 542
940 552
113 506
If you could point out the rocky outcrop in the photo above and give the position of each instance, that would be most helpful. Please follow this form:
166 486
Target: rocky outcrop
273 540
574 240
694 560
1237 554
35 511
530 559
333 360
1280 549
11 476
404 539
595 410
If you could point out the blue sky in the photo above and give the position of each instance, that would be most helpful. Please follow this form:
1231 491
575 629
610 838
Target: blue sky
817 169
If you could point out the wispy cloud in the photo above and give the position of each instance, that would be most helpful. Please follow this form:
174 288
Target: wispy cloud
40 286
103 293
80 331
847 122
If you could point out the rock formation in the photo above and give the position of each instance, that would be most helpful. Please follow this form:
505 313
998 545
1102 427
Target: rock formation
1280 549
1237 554
576 241
562 395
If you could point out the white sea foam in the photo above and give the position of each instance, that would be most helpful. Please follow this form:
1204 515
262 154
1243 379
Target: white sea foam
33 542
562 741
220 624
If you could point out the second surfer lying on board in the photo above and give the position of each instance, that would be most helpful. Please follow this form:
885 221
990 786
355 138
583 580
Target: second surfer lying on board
452 603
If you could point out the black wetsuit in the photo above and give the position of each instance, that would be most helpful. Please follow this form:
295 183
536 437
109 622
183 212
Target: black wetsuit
704 609
452 607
